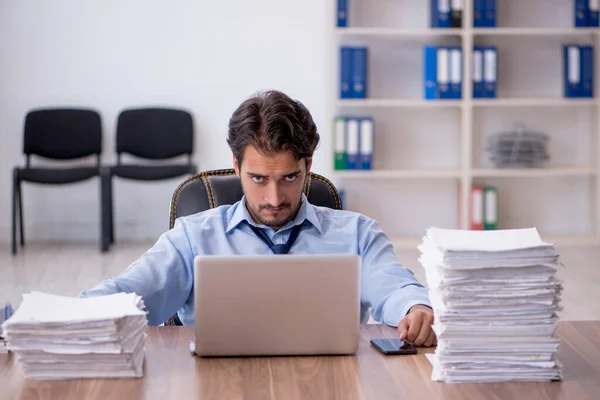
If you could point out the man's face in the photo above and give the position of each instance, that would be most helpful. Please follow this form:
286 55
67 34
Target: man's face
272 184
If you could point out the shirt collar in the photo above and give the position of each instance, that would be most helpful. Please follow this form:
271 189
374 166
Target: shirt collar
239 213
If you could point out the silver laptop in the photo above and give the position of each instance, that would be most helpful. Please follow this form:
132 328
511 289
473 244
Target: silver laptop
277 305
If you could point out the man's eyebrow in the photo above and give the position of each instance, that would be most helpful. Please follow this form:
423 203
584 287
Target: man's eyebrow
254 174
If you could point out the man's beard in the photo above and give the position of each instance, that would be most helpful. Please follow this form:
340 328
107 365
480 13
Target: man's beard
274 223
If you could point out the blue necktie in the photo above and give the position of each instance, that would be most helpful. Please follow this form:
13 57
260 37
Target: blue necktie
278 248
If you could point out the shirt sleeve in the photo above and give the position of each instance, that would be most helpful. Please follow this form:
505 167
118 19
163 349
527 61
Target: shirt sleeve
388 288
163 276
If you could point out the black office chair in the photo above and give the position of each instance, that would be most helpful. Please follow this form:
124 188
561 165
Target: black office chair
152 134
59 134
211 189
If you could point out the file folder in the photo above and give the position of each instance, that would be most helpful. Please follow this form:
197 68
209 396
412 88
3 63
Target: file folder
490 221
587 70
456 11
490 68
340 155
440 13
581 13
353 143
593 15
572 71
342 13
430 72
478 13
456 72
443 73
476 209
359 73
490 14
346 60
478 91
366 143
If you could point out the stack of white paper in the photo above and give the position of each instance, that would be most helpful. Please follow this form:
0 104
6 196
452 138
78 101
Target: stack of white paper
56 337
495 297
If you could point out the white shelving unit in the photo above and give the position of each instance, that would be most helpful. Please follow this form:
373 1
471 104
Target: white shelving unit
438 143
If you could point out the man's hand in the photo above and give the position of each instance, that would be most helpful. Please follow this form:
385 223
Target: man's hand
415 327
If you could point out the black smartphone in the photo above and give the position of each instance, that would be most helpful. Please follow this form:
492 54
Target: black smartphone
393 346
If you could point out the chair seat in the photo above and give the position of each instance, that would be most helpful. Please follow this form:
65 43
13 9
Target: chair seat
152 172
57 175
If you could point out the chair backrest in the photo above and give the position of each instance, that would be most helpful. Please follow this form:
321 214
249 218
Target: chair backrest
155 133
210 189
62 133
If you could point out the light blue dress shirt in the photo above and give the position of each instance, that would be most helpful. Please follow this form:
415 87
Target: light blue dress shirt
164 275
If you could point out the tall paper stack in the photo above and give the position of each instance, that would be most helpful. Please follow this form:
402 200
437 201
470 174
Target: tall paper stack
495 297
56 337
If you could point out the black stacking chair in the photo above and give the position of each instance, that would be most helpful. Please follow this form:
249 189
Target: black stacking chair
151 134
211 189
58 134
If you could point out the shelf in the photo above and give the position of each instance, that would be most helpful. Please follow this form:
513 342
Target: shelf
534 31
447 103
411 242
443 140
400 103
535 102
398 32
533 172
433 32
399 173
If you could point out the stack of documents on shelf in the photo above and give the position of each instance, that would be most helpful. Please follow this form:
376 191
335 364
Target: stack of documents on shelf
56 337
495 297
519 148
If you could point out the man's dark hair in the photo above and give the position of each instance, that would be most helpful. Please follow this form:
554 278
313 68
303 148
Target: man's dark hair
272 122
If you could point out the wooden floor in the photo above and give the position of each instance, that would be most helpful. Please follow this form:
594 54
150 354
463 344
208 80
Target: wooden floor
67 269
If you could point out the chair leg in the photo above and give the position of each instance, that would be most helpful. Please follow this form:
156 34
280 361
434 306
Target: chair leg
104 214
14 215
21 225
110 207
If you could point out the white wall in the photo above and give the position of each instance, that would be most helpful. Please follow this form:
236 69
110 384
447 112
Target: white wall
206 56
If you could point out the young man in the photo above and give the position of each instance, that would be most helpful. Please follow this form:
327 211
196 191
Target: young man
272 138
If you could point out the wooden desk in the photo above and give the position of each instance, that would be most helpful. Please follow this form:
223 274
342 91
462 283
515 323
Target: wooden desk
171 372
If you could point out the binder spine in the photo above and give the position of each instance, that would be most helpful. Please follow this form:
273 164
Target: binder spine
490 68
342 13
581 13
366 143
456 12
587 70
340 154
359 75
440 13
478 13
490 207
572 73
490 14
443 73
346 60
456 72
353 143
476 209
478 73
430 72
594 8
